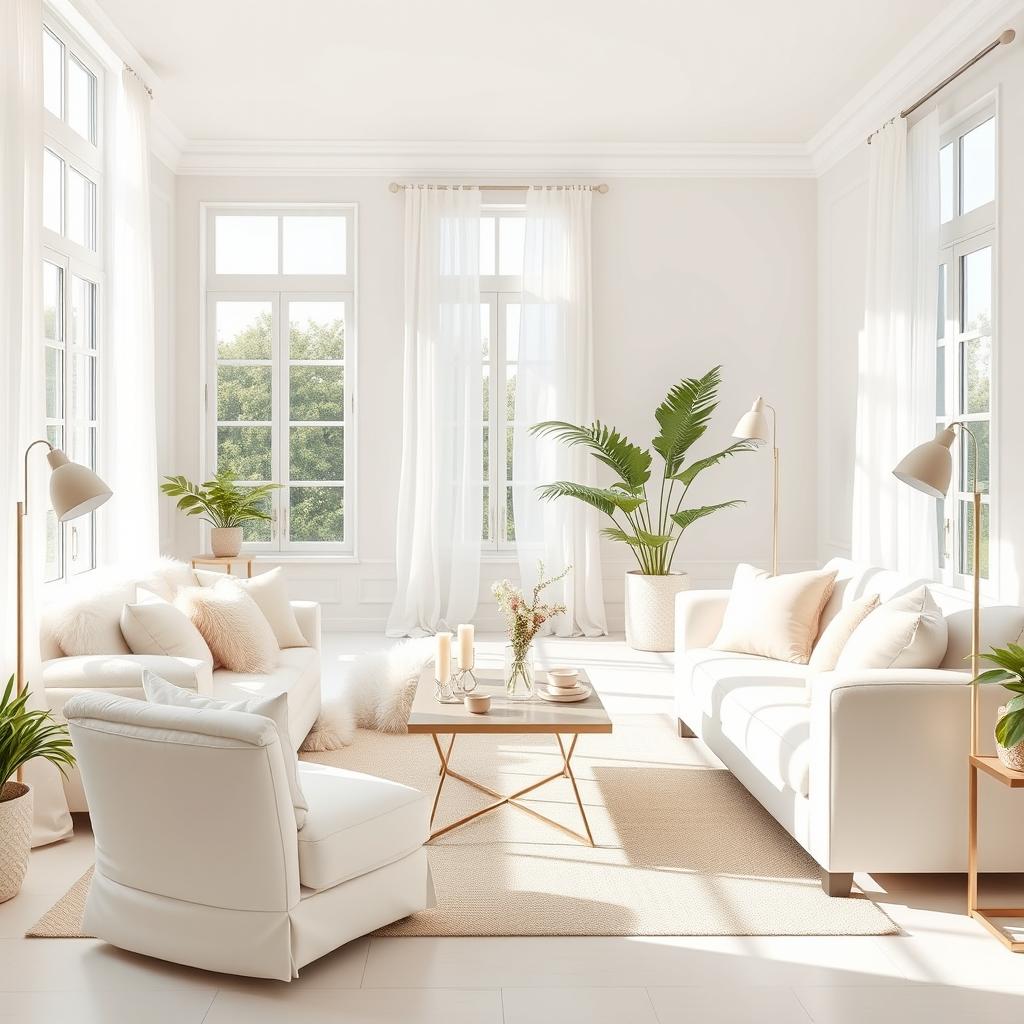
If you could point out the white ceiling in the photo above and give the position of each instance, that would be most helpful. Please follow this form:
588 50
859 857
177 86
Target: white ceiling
602 71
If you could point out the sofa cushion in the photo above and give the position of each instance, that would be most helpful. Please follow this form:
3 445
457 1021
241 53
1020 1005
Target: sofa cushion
154 626
232 624
269 591
908 631
356 823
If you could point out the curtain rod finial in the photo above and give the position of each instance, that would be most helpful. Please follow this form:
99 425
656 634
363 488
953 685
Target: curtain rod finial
394 187
1008 37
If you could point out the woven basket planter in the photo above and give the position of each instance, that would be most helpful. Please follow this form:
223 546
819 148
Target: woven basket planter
1011 757
15 837
651 609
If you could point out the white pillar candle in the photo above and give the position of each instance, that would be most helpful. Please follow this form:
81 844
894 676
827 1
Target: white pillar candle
443 657
465 647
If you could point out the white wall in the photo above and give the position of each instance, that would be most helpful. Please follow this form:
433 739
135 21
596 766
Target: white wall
842 215
687 273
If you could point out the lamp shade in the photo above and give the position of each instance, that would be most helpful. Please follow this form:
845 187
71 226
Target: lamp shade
75 490
753 425
929 466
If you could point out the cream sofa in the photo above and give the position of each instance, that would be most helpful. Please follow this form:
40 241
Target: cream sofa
866 769
120 673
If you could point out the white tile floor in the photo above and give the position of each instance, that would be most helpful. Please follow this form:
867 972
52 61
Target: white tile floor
942 968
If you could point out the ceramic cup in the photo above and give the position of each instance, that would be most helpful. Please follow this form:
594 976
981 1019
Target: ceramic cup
563 677
478 703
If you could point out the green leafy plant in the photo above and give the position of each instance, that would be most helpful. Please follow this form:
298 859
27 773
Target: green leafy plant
220 501
651 529
26 734
1010 674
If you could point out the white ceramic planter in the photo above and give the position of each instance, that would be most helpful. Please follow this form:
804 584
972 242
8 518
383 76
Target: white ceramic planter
226 542
15 837
651 609
1011 757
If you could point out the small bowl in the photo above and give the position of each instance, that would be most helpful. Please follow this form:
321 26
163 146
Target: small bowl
563 677
477 703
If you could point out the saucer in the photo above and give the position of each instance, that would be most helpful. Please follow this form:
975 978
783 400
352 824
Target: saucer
565 695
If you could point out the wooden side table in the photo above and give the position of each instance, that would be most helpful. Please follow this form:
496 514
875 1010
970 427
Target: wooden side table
245 560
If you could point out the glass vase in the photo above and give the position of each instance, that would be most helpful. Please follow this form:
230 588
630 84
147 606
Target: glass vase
519 672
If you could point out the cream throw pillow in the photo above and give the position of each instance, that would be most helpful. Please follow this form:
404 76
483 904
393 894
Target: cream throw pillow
774 616
154 626
159 691
834 636
233 625
269 591
908 631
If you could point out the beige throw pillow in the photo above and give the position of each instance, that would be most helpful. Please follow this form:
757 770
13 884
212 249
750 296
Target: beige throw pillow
154 626
774 616
834 636
270 592
232 624
908 631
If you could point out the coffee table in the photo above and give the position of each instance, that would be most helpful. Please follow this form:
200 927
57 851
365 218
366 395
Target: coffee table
429 717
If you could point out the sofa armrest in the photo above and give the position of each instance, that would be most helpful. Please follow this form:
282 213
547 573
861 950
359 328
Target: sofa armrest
307 615
124 671
699 616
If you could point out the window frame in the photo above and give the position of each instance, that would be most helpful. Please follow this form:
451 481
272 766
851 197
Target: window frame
280 289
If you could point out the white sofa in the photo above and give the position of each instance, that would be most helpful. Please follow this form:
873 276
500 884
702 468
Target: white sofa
866 769
241 892
120 673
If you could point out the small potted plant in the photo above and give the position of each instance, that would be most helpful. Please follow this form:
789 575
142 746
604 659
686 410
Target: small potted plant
1010 724
24 735
223 504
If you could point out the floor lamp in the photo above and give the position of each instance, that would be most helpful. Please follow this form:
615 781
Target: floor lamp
75 490
753 426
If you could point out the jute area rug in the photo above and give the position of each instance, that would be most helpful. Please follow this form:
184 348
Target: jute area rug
682 849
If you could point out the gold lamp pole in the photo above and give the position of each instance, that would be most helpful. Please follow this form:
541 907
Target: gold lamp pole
753 426
75 490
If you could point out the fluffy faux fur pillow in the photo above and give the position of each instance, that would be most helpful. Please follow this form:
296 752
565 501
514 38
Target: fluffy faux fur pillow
233 626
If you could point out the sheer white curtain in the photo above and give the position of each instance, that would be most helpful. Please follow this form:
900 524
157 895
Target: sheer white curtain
22 414
894 525
128 523
556 382
441 491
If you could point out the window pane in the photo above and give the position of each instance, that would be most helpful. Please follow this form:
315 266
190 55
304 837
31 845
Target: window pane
512 311
83 312
487 453
487 245
316 453
316 514
244 329
314 245
967 539
244 393
940 308
51 569
81 100
510 394
316 330
83 386
82 445
53 192
511 235
978 166
980 429
940 380
316 393
81 534
81 209
53 312
510 519
485 523
946 183
486 393
977 290
485 331
509 447
976 374
259 531
245 451
53 74
54 383
940 530
245 245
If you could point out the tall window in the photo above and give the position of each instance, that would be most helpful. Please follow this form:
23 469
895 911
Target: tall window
280 330
502 230
966 332
72 272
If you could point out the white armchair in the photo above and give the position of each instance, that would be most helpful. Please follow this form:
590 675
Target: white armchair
198 860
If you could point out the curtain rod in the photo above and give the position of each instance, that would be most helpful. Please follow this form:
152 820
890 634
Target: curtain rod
396 187
1004 39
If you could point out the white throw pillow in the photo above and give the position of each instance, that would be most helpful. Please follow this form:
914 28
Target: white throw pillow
834 636
154 626
159 691
269 591
908 631
774 616
232 624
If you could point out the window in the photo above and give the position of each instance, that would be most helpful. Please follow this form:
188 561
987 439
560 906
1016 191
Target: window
280 328
965 333
502 231
72 273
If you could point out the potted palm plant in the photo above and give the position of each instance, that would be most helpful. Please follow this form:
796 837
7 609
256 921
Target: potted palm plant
223 504
650 524
1010 722
24 735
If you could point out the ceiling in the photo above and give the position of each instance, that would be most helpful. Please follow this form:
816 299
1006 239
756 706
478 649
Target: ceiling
607 71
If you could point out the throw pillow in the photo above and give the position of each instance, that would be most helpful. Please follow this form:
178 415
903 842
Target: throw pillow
232 624
269 591
87 619
154 626
774 616
908 631
834 636
159 691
